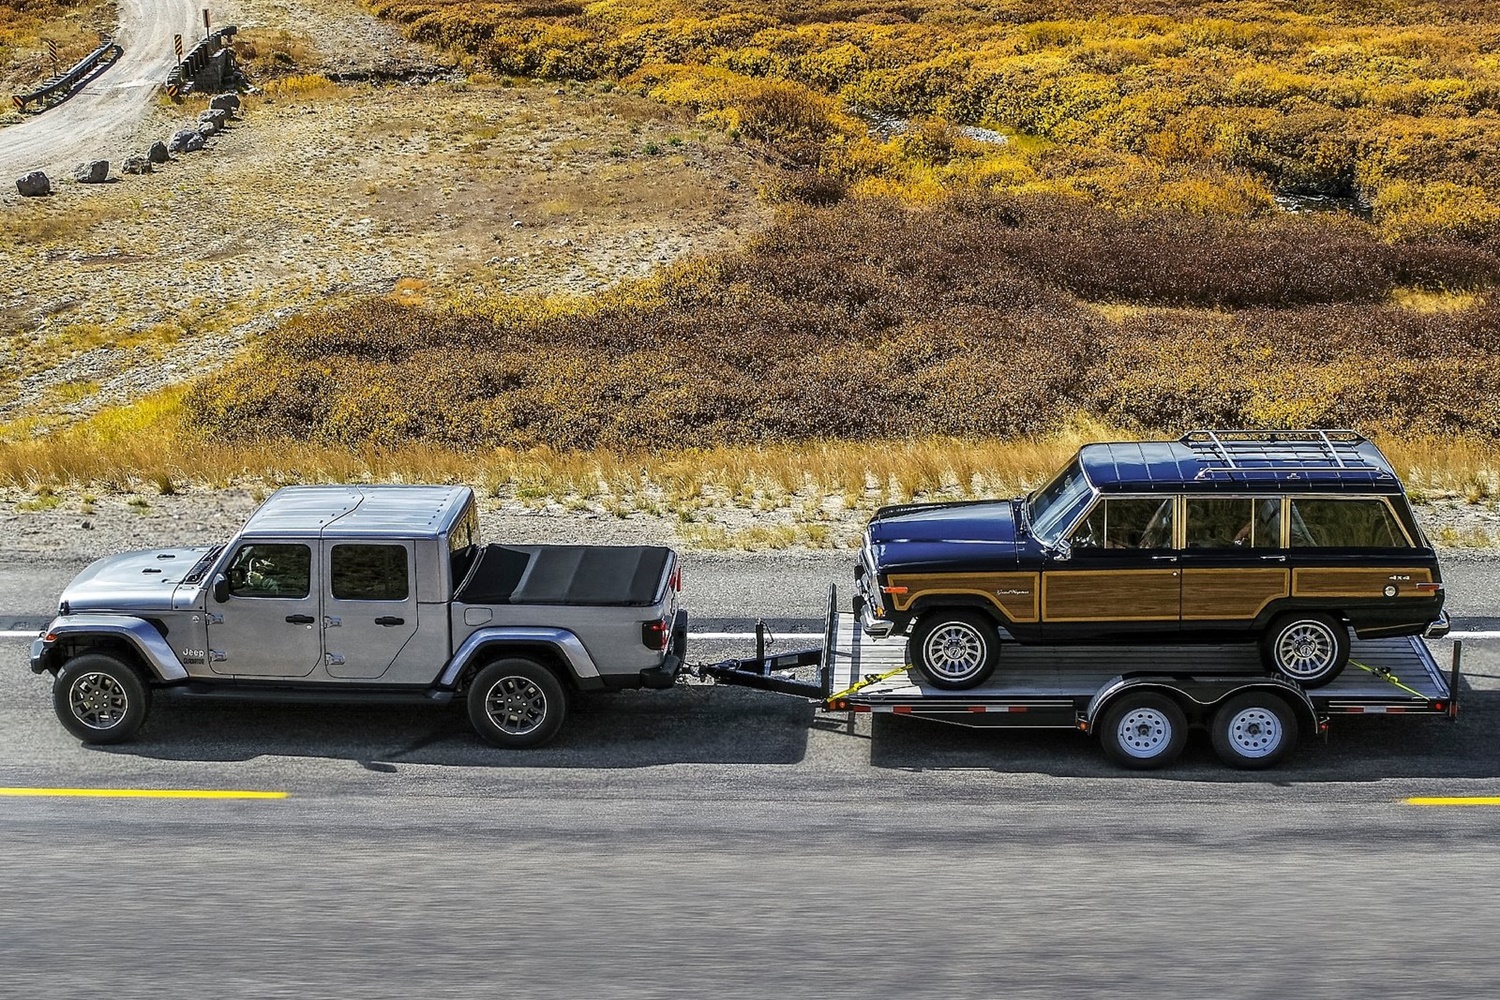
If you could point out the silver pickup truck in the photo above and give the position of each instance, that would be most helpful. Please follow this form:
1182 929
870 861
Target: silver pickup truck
365 593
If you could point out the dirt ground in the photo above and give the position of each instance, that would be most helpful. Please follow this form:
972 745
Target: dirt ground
419 188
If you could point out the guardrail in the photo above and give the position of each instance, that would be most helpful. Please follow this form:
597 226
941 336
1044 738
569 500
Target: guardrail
68 80
198 59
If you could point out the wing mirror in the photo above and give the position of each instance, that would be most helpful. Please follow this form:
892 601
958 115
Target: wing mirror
1062 550
221 590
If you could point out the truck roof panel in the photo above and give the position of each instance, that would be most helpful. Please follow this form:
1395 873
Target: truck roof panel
404 511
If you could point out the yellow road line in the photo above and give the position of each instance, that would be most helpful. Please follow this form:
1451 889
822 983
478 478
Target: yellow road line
138 793
1439 800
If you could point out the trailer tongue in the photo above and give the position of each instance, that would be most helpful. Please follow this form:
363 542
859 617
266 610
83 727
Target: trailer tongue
1140 700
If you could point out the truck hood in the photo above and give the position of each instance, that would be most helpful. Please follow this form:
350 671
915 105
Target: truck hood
949 533
132 581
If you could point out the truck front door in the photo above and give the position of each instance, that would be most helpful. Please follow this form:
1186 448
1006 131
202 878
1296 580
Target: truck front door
371 608
270 624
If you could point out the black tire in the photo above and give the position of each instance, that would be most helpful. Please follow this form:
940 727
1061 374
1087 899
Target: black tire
100 699
517 703
1254 730
1310 648
1143 731
954 649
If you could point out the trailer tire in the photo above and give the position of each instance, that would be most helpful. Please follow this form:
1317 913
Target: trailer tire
954 649
517 703
1143 731
1254 730
1310 648
100 699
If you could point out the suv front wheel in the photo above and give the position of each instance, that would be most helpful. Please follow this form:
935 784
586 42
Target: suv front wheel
954 649
1311 649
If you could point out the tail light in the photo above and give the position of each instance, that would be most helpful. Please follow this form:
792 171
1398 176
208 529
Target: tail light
675 580
654 635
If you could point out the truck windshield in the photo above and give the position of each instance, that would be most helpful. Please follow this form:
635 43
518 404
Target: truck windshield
1052 507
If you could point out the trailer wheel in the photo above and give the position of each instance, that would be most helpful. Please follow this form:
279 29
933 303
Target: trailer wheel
1254 730
1143 731
1311 649
100 699
517 703
954 649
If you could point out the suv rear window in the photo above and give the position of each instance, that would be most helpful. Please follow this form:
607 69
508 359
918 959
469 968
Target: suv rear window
1234 524
1344 524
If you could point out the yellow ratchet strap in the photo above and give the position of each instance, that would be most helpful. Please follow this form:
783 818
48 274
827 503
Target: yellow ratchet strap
1384 674
865 682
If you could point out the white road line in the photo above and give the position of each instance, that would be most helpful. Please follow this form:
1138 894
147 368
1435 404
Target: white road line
751 635
20 635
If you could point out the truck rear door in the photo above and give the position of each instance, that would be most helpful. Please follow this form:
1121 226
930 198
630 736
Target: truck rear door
370 610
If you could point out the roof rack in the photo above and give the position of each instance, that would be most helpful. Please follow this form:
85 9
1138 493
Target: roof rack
1291 452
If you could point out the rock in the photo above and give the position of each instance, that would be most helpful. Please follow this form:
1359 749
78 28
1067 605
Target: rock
33 185
91 172
137 165
158 153
181 138
194 143
225 102
207 129
217 117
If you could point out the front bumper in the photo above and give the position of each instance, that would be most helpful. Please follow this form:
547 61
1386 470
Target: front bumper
1439 628
40 660
880 628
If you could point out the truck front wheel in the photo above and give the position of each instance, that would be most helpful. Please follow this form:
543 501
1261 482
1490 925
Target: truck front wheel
100 699
517 703
954 649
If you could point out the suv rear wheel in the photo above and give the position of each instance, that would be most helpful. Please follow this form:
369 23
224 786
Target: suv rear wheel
954 649
517 703
1311 649
100 699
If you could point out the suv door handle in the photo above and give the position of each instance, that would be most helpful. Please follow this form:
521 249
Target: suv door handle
1274 558
388 620
299 619
1161 558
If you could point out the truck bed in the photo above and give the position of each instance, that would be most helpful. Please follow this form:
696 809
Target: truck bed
591 575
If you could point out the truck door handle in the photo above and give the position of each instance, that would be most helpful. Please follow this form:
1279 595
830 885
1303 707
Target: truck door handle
388 620
299 619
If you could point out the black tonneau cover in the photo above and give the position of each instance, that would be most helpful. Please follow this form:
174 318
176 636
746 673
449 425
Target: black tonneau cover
566 574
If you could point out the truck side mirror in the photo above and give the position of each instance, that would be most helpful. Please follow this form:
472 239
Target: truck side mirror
221 590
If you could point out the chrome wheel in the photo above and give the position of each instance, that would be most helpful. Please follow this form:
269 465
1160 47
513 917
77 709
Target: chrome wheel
1254 732
1144 732
516 705
98 701
955 651
1306 650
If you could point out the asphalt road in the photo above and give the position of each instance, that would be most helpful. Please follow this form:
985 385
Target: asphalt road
711 842
95 120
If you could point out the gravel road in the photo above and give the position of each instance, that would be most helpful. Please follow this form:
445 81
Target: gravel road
94 122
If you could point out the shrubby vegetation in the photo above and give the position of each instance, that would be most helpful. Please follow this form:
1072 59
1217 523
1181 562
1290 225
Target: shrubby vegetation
1203 105
871 320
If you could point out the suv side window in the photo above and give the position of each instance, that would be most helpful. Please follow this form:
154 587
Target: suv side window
1344 524
1127 524
265 569
368 573
1234 524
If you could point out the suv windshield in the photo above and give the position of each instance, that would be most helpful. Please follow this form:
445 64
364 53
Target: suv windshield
1052 507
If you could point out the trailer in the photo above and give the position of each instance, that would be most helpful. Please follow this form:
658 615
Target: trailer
1140 700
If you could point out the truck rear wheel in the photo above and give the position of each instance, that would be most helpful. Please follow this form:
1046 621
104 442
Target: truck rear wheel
954 649
1254 730
1311 649
517 703
100 699
1143 731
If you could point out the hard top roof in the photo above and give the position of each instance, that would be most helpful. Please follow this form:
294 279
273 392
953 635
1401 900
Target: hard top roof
1225 460
399 511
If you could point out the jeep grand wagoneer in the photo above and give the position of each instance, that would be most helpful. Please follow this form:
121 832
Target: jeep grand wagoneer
1289 538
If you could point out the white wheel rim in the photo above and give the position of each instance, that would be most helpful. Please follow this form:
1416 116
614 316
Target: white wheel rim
954 651
98 701
1306 650
1144 733
1255 732
516 705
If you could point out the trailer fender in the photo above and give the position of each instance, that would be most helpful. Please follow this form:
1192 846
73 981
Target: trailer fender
568 648
149 644
1200 696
